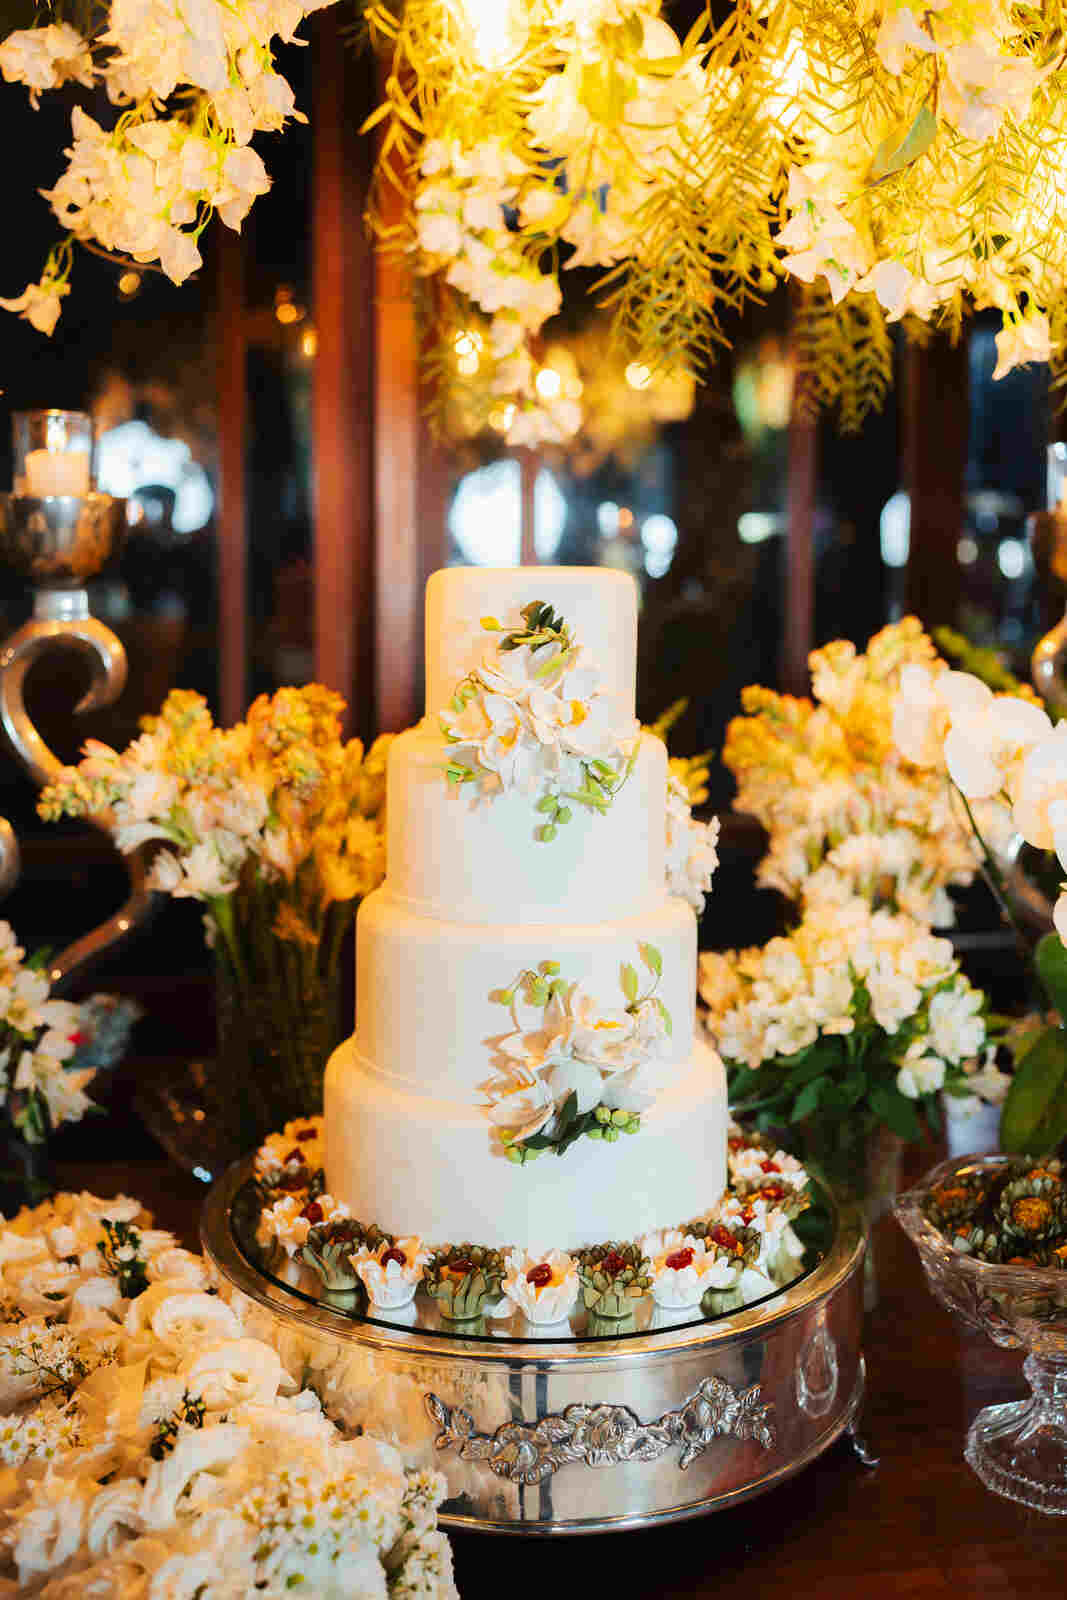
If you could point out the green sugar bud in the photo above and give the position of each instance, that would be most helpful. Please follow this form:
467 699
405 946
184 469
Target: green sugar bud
547 803
548 832
594 1133
564 814
550 968
602 1114
620 1118
514 1154
611 1133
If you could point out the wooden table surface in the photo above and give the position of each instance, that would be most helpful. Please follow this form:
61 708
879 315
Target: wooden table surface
916 1527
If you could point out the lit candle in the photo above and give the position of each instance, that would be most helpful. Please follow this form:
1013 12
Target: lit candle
49 472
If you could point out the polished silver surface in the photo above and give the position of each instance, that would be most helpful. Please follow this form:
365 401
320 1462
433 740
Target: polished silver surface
605 1435
62 540
58 543
791 1364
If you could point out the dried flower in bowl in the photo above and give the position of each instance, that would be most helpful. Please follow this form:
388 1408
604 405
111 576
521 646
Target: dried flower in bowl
542 1284
465 1280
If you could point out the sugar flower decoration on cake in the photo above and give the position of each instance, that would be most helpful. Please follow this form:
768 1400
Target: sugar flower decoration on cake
331 1249
532 717
297 1150
684 1269
572 1066
465 1280
691 848
542 1284
392 1272
614 1278
289 1220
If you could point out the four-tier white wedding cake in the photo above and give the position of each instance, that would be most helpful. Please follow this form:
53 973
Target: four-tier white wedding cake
526 984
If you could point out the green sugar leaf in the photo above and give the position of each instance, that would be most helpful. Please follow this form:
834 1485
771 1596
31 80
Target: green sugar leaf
652 958
628 979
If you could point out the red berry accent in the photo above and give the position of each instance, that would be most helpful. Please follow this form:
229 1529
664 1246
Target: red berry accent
313 1212
725 1239
769 1166
464 1264
737 1142
539 1275
292 1180
612 1263
772 1191
394 1255
305 1134
344 1232
746 1215
680 1258
77 1037
294 1155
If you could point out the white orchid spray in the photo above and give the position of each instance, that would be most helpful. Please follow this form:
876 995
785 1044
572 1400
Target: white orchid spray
573 1067
1003 750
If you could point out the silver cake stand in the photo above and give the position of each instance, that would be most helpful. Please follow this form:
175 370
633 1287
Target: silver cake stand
574 1434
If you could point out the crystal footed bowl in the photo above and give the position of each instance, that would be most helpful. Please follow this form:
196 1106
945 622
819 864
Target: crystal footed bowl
1018 1450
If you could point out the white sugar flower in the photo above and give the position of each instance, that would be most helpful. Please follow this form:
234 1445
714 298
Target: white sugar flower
392 1273
542 1284
520 1109
683 1269
228 1371
691 853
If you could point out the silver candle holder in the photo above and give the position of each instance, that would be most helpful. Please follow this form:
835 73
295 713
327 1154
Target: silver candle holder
58 531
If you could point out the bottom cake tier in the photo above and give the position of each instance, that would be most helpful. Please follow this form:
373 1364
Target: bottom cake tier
428 1167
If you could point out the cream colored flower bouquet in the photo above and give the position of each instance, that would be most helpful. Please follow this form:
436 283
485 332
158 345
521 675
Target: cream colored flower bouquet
277 826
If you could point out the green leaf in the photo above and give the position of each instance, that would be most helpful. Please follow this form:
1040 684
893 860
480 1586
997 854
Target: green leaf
897 1111
568 1112
628 979
902 148
808 1098
1050 959
812 1063
1034 1116
652 958
665 1015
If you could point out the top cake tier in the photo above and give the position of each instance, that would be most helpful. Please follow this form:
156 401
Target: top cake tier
599 604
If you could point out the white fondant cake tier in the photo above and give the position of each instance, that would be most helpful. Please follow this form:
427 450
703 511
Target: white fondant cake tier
424 1018
458 854
598 603
420 1165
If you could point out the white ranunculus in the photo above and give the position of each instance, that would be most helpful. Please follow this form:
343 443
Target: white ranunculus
899 36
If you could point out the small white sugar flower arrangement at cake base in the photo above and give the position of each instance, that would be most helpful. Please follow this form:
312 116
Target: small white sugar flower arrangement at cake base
543 1284
684 1269
391 1273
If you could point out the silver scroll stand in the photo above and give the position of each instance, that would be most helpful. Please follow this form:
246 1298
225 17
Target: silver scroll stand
59 541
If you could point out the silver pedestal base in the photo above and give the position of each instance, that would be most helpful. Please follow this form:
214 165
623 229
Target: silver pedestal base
586 1435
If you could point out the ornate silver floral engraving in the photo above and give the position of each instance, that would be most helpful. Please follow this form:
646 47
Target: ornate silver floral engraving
604 1435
